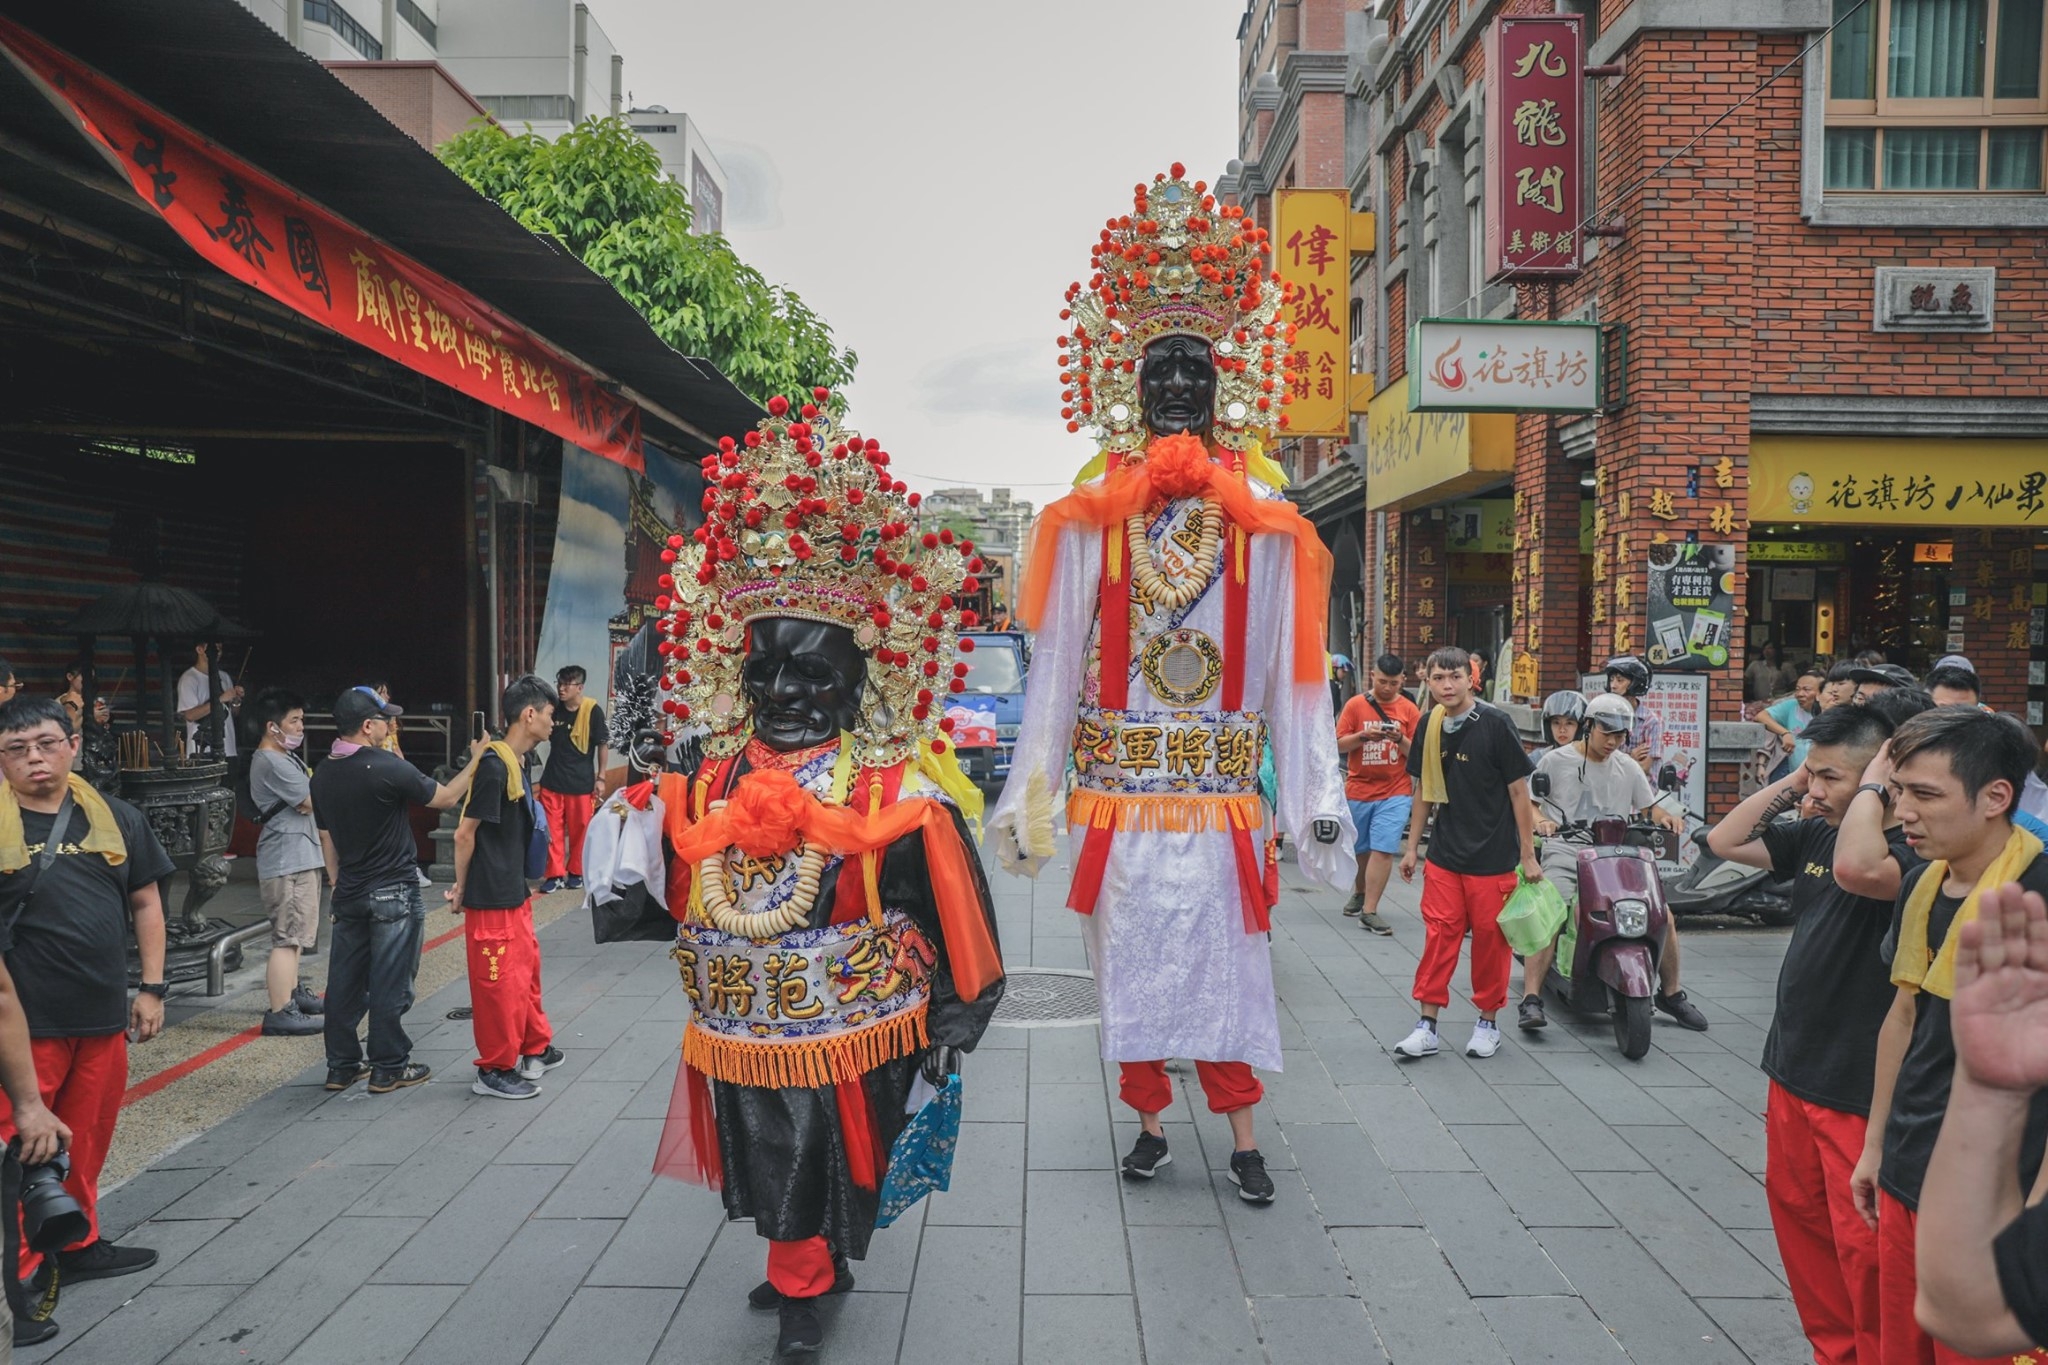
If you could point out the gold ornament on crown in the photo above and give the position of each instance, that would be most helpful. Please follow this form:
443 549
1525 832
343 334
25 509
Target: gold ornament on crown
803 519
1178 264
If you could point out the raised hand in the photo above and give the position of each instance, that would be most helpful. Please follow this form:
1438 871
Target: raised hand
2000 1012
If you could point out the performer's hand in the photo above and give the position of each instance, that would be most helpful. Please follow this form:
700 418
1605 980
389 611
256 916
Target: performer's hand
2001 999
42 1134
145 1017
1408 865
939 1063
1326 831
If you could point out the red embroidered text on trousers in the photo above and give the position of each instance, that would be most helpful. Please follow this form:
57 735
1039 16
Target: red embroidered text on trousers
504 987
1901 1339
1144 1086
1453 905
81 1080
1830 1253
800 1270
568 819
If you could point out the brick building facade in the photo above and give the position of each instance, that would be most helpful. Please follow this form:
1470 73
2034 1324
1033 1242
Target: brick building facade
1829 284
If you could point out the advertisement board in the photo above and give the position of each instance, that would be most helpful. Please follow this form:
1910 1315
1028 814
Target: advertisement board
1691 604
1535 117
1671 718
1311 252
1468 365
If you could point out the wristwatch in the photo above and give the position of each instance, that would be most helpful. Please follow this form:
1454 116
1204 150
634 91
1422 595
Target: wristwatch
159 989
1884 793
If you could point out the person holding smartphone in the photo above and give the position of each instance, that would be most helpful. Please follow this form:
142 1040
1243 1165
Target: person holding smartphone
1374 733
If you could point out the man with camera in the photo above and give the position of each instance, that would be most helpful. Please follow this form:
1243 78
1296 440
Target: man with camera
76 868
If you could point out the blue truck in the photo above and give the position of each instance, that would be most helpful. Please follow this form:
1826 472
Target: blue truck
985 716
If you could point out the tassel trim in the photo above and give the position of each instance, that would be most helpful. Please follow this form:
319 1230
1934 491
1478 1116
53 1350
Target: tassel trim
1179 814
810 1063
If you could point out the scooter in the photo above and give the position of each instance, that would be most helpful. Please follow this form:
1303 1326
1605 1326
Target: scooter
1609 952
1714 886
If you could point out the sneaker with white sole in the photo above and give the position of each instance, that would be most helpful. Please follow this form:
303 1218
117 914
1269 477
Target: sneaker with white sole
540 1063
503 1085
1421 1043
1485 1040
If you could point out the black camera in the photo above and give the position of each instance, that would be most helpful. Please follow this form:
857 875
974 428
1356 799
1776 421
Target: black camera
50 1217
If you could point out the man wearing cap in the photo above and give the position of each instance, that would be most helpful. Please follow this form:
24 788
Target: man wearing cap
1591 778
1953 682
1871 679
360 796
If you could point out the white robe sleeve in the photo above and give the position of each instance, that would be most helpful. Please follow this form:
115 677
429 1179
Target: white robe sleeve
1303 732
1052 699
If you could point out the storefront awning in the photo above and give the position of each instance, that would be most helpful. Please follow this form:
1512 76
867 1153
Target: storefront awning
1416 458
219 70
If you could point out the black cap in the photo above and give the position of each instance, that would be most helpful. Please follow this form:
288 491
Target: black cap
359 704
1891 675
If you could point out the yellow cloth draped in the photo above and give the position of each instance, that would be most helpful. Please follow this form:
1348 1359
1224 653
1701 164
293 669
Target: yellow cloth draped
1434 789
515 785
102 835
579 732
1912 965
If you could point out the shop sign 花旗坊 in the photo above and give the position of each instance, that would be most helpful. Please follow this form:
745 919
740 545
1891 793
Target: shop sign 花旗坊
268 236
1312 253
1428 456
1463 365
1534 122
1898 482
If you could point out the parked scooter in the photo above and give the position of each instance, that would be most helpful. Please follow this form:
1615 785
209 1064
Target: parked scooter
1609 952
1715 886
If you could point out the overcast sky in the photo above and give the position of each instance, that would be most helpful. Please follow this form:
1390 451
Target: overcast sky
929 174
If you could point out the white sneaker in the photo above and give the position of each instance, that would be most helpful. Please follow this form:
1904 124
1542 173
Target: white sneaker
1485 1041
1421 1043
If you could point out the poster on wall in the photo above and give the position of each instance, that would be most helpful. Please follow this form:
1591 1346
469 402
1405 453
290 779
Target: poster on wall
1691 602
1671 718
609 536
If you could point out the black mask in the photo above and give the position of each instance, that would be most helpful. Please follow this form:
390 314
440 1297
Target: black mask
1178 383
804 679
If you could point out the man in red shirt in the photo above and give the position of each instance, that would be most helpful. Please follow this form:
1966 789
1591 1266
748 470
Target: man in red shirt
1374 733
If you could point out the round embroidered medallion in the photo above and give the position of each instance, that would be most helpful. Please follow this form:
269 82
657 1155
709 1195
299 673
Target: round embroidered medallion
1182 666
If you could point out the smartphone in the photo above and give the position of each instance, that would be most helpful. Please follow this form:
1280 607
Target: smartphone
477 729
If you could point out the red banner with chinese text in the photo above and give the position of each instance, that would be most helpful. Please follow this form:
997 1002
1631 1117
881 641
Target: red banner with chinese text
1534 130
1311 251
273 239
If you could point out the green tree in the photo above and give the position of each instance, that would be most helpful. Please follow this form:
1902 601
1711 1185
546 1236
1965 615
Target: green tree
598 190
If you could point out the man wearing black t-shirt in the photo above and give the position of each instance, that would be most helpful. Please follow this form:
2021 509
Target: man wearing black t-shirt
64 920
513 1041
1468 760
571 784
360 798
1833 995
1983 1241
1956 772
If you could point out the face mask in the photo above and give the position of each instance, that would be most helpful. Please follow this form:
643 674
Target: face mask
289 741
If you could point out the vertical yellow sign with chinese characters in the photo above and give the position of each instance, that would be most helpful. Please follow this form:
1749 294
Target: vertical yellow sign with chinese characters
1311 248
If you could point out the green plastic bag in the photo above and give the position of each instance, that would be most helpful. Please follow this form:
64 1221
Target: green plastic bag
1533 915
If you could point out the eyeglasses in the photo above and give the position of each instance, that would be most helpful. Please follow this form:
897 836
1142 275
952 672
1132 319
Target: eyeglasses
21 749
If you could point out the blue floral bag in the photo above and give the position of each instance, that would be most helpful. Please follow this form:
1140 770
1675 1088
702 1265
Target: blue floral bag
922 1159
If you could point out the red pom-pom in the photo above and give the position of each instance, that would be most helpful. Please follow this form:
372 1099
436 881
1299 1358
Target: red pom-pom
931 540
931 668
938 746
956 686
914 499
947 725
821 393
959 670
967 646
778 406
665 581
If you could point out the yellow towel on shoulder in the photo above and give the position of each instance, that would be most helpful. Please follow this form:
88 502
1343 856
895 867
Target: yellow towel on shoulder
1433 789
102 835
1912 965
515 785
579 733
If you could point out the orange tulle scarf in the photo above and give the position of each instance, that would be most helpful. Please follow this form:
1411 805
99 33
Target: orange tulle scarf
1180 467
768 812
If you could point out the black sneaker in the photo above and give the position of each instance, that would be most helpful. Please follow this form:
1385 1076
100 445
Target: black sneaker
1248 1173
290 1023
29 1332
550 886
307 1002
538 1065
1148 1154
102 1260
342 1077
765 1295
1683 1010
503 1085
1529 1014
572 882
800 1333
412 1073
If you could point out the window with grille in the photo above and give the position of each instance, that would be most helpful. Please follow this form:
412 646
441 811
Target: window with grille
1935 97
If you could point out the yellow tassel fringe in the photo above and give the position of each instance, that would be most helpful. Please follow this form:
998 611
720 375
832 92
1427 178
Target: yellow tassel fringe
810 1063
1179 814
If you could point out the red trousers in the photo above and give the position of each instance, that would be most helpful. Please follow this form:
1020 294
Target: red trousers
568 818
800 1270
1830 1253
1903 1341
1228 1085
1453 905
82 1081
504 986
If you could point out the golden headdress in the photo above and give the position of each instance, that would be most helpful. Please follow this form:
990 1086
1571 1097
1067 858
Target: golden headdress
1177 265
803 519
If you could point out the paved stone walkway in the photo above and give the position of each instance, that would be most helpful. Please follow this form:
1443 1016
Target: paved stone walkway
1553 1203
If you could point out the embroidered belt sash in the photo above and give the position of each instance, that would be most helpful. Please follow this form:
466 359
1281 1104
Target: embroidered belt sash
809 1008
1177 770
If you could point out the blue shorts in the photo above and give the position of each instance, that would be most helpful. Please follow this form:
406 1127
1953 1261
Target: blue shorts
1382 825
